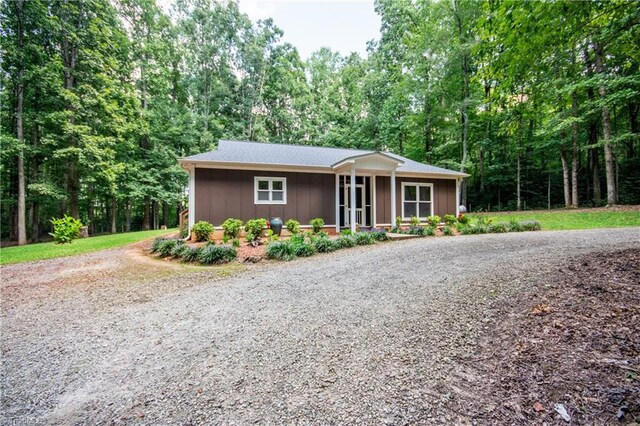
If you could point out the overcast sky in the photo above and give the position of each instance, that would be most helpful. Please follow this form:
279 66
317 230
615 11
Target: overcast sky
342 25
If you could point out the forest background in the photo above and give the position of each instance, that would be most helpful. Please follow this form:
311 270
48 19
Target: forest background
537 101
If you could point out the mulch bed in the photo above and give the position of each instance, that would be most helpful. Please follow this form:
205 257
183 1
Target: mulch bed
575 341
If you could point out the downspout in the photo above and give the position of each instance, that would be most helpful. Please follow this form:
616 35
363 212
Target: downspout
190 168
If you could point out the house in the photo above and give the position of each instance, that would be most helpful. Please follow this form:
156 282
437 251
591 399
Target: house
345 187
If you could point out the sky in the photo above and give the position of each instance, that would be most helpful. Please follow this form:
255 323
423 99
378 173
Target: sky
342 25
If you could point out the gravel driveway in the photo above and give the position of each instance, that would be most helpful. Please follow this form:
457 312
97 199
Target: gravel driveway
364 335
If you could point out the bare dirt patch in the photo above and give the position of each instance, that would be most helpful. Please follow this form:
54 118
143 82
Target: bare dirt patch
574 340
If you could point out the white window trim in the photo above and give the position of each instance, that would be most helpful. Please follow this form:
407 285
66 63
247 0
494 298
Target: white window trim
270 179
428 185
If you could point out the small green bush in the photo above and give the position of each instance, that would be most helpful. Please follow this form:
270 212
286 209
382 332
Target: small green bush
281 250
211 254
379 234
429 231
345 241
156 244
165 248
498 228
190 254
463 219
324 244
65 229
179 250
363 238
202 230
346 232
446 230
483 220
253 228
474 229
304 249
414 221
293 226
433 221
417 230
231 228
316 224
235 242
514 226
450 220
398 222
530 225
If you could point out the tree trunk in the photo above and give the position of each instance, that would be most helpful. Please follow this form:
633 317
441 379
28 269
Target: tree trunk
165 214
90 211
612 191
595 175
574 151
127 212
146 224
113 214
634 127
518 200
566 181
155 214
22 217
464 117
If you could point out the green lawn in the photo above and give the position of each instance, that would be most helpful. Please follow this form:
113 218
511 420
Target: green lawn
40 251
567 219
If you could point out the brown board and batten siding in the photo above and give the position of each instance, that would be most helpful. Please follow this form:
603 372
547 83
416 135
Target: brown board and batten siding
444 196
221 194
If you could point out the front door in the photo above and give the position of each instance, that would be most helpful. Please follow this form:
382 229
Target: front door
361 212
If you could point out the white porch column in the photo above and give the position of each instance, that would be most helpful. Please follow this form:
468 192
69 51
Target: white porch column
192 196
393 197
373 202
457 197
337 203
352 218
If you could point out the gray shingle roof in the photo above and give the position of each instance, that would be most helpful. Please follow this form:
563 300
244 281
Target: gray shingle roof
300 155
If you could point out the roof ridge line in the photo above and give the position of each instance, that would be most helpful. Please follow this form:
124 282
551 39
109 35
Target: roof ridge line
298 145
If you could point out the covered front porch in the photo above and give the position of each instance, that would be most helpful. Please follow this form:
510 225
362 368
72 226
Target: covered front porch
355 186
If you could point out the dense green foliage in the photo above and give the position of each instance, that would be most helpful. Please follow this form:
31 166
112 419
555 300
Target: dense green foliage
51 250
293 226
538 101
232 228
253 228
202 230
65 229
212 254
316 224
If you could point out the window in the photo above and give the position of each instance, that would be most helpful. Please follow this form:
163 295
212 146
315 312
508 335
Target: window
270 190
417 200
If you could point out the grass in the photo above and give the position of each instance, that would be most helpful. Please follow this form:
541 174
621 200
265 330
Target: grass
41 251
567 219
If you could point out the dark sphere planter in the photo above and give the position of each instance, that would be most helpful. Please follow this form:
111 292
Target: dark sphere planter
275 223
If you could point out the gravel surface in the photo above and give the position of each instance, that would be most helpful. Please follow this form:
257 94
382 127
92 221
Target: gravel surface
364 335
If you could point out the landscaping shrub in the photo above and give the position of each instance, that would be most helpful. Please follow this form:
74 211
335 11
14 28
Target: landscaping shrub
231 228
303 249
346 232
281 250
211 254
156 244
179 250
202 230
379 234
463 219
530 225
474 229
65 229
316 224
324 244
345 241
429 231
253 228
166 247
514 226
446 230
414 221
363 238
416 230
498 228
398 222
433 221
190 254
235 242
450 220
293 226
483 220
